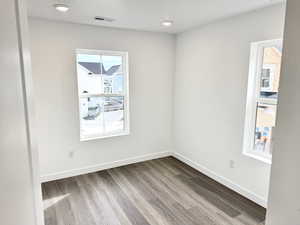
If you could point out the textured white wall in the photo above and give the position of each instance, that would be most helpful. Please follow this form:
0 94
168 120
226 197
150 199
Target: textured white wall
284 208
210 90
151 66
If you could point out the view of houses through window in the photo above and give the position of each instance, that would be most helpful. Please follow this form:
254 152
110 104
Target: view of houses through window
102 86
262 100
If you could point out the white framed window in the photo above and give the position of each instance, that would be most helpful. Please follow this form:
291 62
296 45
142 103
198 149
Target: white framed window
102 78
262 99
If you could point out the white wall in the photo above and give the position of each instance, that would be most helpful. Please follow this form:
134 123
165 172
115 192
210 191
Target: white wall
284 205
151 65
17 184
210 90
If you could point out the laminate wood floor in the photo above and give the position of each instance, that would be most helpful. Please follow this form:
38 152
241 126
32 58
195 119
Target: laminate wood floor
157 192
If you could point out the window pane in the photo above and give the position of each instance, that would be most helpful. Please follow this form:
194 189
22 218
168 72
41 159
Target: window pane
111 65
89 69
114 114
101 115
113 84
270 72
265 122
100 74
91 116
113 80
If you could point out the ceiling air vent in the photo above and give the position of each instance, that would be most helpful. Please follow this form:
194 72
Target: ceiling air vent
106 19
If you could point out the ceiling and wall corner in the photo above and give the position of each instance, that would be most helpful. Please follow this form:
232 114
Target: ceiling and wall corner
144 14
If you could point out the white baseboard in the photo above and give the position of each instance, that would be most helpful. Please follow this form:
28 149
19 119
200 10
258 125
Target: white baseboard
228 183
90 169
103 166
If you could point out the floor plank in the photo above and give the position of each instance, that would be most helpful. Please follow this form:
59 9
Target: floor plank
157 192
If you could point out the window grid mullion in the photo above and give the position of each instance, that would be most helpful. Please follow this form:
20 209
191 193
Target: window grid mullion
101 95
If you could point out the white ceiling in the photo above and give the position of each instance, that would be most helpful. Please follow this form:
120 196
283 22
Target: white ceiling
146 14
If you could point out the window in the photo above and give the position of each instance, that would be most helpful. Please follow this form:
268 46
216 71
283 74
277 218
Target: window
103 93
262 99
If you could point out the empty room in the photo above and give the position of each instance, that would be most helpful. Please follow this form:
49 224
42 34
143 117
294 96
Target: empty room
136 112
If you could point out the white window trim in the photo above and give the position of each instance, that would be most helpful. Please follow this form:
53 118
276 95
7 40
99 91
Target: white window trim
253 92
125 68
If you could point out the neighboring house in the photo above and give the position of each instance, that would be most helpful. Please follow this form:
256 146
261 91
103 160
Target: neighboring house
266 113
271 71
94 79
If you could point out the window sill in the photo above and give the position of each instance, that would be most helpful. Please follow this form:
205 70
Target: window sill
124 133
261 158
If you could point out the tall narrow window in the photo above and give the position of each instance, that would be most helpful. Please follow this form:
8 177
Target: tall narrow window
262 98
103 93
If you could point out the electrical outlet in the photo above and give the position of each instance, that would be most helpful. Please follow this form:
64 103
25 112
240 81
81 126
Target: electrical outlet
231 164
71 154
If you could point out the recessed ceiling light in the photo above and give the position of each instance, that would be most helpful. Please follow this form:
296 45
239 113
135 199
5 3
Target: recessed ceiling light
167 23
61 7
